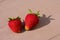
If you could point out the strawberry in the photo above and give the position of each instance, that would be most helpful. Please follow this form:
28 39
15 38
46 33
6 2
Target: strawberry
15 24
31 20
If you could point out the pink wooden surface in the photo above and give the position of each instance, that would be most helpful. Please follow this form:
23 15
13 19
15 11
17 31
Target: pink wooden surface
47 29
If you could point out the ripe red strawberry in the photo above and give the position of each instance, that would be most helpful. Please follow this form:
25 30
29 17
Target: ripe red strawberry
15 24
31 20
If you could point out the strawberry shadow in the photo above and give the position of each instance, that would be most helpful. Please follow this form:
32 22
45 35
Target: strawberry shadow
23 26
43 21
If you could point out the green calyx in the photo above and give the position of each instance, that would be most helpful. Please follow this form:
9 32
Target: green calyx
30 11
10 18
18 18
14 18
37 13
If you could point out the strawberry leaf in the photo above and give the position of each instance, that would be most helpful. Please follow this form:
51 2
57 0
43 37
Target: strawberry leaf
10 19
37 13
30 10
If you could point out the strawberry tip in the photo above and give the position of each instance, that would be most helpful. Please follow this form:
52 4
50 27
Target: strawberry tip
26 28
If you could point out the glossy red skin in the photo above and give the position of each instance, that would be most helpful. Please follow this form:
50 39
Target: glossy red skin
31 20
15 25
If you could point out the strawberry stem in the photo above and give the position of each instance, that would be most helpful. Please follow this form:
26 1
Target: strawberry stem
30 10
